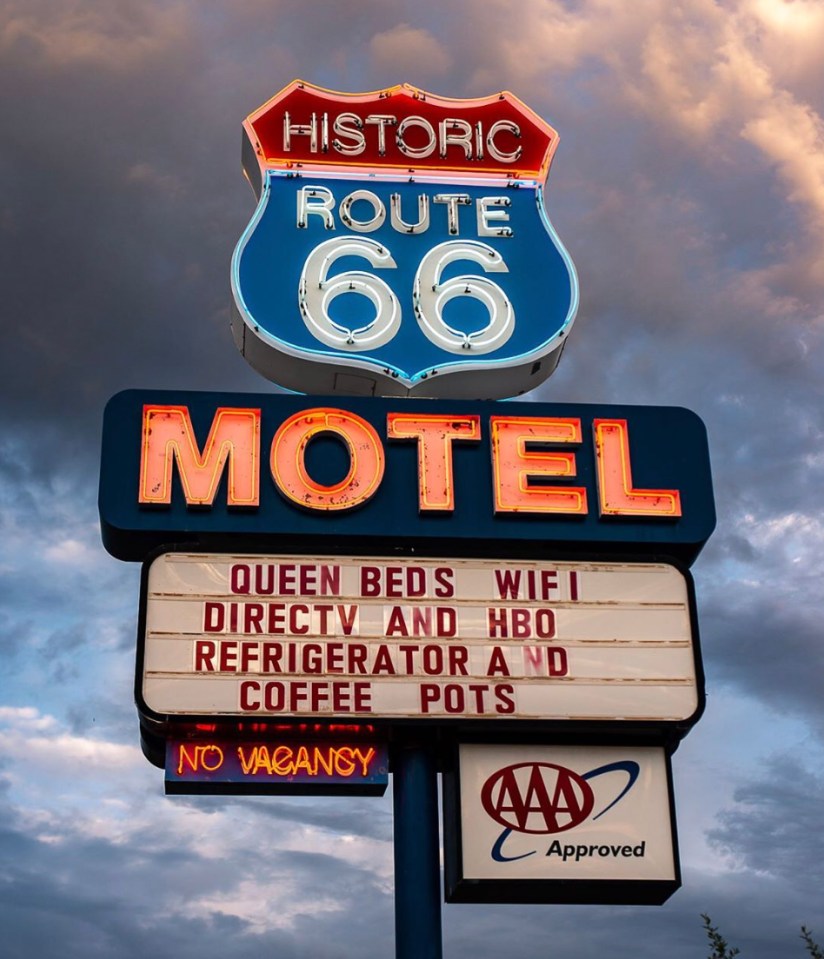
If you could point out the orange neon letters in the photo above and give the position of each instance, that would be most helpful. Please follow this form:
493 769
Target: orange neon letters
521 463
168 436
434 433
313 760
513 465
195 756
615 491
288 459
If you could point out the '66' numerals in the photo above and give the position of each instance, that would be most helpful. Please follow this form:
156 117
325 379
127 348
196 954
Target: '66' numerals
317 290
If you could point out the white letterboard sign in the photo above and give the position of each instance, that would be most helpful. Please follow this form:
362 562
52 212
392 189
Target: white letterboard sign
424 639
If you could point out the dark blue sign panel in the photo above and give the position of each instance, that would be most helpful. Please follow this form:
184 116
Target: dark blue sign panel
364 475
286 765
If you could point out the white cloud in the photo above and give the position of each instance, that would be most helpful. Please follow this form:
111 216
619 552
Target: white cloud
68 752
70 550
791 136
793 537
37 741
706 72
265 903
23 720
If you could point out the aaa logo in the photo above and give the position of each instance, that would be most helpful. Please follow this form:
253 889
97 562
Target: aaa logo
537 798
541 798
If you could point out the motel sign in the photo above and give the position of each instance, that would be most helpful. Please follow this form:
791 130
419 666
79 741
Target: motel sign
395 572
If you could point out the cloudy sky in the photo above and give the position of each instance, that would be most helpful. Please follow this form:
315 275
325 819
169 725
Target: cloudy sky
689 190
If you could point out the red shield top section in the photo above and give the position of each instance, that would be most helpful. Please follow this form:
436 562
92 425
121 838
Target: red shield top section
401 129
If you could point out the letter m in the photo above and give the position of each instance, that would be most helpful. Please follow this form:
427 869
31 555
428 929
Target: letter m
168 438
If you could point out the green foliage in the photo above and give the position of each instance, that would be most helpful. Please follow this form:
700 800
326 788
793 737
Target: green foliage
812 946
720 949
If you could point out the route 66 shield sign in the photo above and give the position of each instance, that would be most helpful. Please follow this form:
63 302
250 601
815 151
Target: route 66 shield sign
400 246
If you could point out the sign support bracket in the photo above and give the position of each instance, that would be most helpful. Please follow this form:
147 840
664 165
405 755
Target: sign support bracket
417 854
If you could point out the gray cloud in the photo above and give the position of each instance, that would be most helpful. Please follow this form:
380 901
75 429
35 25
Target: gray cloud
774 827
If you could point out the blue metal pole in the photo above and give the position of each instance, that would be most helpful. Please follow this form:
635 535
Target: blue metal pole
417 855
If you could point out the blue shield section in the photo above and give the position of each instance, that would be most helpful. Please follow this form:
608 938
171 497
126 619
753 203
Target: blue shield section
537 276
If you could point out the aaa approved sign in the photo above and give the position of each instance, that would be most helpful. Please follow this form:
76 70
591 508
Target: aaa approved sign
260 636
400 245
527 823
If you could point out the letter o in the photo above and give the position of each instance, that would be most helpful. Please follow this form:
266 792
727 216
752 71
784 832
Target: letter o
218 759
363 226
433 660
506 126
453 696
288 459
545 623
416 153
274 697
